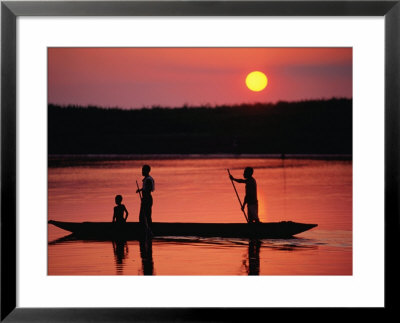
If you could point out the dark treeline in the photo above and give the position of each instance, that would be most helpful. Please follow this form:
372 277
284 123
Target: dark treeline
306 127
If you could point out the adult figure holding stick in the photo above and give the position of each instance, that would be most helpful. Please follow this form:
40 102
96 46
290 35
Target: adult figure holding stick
146 199
250 198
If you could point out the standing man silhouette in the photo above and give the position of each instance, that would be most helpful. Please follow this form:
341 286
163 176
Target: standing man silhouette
147 199
251 194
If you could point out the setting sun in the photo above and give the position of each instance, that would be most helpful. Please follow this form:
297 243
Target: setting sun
256 81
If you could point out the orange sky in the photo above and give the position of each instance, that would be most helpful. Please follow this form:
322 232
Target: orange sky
172 77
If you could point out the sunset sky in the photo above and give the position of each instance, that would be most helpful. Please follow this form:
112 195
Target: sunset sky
173 77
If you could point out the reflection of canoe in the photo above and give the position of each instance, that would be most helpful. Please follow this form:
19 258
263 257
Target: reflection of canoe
134 230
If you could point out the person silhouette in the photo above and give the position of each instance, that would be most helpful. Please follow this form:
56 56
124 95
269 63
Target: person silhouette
251 194
119 211
146 203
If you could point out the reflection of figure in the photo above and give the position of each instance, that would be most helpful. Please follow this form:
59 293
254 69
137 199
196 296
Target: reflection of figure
147 199
251 194
254 257
119 211
146 253
120 252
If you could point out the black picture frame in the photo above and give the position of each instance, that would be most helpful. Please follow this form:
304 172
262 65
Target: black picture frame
11 10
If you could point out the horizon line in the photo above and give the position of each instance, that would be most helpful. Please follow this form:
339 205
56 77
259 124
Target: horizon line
205 105
206 156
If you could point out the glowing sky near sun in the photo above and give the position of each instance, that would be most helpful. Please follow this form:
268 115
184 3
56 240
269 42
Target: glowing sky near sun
173 77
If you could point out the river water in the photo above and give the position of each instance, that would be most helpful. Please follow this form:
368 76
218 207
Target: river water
199 190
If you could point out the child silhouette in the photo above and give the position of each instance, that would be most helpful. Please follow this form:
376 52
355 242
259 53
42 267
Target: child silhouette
119 211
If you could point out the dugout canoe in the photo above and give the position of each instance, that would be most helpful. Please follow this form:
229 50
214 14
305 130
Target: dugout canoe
135 230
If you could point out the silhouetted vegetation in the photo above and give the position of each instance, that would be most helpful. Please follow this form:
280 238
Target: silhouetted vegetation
306 127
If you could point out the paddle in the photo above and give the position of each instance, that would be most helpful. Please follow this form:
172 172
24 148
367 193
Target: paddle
240 202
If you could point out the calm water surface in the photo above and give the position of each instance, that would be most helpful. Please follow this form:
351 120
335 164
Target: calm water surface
199 190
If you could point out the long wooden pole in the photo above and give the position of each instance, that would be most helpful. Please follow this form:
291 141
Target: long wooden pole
240 202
